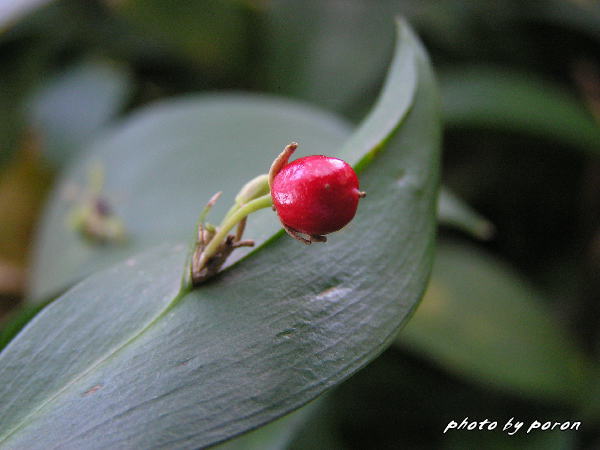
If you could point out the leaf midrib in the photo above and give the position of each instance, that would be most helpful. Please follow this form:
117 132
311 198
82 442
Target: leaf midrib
360 165
24 422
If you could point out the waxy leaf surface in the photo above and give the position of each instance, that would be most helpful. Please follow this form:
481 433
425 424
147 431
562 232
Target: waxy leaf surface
162 165
127 359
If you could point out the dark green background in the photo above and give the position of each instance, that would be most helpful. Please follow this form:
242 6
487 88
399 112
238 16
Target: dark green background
517 330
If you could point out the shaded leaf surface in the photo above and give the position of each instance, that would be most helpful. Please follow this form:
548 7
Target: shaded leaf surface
162 165
11 11
265 337
277 435
343 52
173 156
508 100
453 212
210 34
400 402
482 321
74 105
100 324
581 16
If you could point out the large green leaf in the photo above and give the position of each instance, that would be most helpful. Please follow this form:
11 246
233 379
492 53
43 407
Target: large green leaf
399 402
186 150
163 164
452 212
127 359
509 100
12 11
480 320
71 107
343 51
158 132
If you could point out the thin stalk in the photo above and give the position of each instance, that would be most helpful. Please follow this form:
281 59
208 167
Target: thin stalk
232 220
233 209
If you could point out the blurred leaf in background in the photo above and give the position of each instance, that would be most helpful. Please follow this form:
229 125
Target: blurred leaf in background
483 322
327 52
263 336
209 33
520 83
454 212
161 165
496 98
75 105
12 11
401 401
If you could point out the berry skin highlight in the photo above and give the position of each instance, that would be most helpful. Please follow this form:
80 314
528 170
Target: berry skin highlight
313 196
316 195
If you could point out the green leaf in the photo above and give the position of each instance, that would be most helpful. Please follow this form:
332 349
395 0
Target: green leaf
162 165
316 132
590 408
517 102
211 33
76 104
141 290
16 321
276 435
453 212
12 11
350 39
127 359
583 17
481 321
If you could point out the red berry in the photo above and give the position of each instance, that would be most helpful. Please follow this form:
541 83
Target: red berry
316 194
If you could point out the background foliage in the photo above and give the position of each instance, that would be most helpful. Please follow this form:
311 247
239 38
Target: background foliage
510 324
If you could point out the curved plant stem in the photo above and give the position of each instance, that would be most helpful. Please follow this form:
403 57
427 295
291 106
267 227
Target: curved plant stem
232 210
231 220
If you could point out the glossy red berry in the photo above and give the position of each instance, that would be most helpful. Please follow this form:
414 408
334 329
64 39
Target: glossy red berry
316 195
